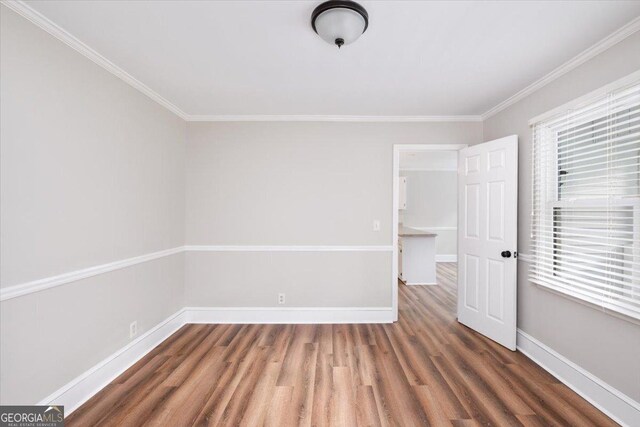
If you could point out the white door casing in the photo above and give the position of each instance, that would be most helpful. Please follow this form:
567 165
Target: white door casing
397 149
487 229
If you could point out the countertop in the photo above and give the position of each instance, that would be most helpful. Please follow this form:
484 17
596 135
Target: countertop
412 232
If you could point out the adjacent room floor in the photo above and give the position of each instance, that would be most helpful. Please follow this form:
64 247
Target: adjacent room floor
426 369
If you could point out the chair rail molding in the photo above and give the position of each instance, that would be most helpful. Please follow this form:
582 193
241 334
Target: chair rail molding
284 248
73 276
330 118
39 285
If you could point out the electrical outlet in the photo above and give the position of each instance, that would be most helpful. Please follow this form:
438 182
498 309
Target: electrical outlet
133 329
281 299
376 225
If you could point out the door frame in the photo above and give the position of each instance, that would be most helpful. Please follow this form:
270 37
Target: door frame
397 149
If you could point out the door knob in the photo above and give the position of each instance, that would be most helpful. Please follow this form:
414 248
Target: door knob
506 254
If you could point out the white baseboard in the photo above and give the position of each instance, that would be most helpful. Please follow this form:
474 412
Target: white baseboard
420 284
83 387
612 402
618 406
266 315
73 394
447 258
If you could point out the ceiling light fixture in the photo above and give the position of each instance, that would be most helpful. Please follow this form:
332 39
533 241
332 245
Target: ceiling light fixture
339 22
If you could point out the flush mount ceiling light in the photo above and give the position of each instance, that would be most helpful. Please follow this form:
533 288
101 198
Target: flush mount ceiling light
339 22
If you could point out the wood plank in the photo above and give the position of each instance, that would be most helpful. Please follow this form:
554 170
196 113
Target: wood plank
366 407
277 412
323 391
427 369
343 406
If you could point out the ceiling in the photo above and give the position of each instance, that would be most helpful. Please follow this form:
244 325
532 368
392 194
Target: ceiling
263 58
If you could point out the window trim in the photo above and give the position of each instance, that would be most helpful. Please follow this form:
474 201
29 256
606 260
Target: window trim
585 101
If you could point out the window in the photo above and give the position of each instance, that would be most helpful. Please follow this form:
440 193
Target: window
586 199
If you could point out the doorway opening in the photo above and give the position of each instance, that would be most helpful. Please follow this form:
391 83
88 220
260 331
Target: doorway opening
424 216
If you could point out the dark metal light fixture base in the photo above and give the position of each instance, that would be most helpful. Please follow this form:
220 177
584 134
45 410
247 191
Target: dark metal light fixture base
342 22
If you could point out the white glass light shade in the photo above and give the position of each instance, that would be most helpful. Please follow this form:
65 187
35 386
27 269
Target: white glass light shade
340 23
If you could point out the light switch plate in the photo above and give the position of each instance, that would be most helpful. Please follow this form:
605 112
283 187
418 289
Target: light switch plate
376 225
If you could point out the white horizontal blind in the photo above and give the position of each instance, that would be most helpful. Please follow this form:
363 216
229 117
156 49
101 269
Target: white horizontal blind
586 201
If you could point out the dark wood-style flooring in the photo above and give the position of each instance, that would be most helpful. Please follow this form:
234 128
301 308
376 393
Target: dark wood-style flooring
426 369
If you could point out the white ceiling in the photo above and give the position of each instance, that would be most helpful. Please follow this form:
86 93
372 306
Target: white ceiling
263 58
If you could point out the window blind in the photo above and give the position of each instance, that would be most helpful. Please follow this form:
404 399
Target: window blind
586 201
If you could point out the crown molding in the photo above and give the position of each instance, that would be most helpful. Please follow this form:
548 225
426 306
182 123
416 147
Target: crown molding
604 44
64 36
61 34
328 118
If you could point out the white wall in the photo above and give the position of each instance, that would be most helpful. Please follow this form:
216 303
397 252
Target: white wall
296 184
432 204
92 172
607 346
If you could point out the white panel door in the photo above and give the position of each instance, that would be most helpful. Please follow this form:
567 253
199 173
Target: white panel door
487 238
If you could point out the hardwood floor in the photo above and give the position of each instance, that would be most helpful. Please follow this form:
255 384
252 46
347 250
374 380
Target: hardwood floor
426 369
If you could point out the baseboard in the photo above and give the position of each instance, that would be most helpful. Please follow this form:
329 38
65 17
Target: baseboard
618 406
610 401
73 394
83 387
447 258
266 315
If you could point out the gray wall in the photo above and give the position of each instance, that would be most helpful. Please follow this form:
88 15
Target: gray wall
432 201
296 184
92 172
607 346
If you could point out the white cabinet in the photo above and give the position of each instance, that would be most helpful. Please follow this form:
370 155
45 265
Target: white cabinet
402 201
400 259
417 259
